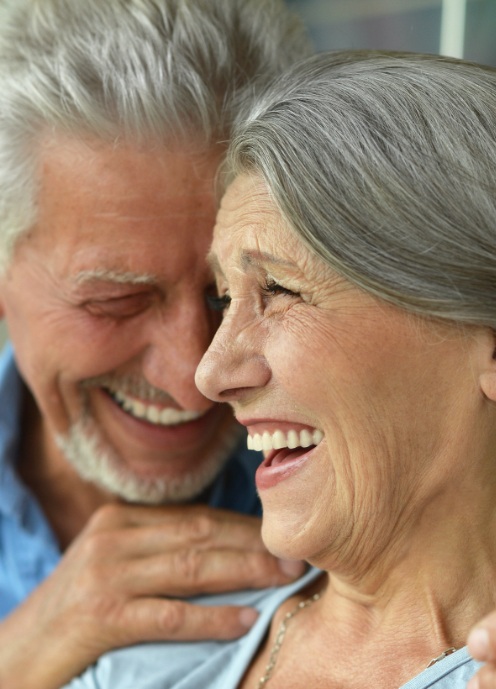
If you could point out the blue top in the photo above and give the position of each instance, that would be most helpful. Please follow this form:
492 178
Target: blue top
222 664
193 665
451 673
28 547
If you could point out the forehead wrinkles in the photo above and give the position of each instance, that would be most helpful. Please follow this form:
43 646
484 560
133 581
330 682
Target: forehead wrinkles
246 202
251 231
247 214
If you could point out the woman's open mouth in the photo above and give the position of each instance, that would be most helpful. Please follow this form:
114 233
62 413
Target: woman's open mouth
283 452
278 440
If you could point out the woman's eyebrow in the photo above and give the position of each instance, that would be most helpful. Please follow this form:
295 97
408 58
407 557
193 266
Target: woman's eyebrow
249 259
257 258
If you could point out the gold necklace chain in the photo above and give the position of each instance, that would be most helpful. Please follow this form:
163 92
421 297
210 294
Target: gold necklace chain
280 637
443 655
281 633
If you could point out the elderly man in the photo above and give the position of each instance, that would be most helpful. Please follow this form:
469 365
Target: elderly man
113 120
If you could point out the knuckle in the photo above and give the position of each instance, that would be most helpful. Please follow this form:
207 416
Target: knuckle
261 568
105 517
171 621
188 566
199 528
95 549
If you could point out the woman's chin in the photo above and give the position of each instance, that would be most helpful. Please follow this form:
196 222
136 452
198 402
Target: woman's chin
287 543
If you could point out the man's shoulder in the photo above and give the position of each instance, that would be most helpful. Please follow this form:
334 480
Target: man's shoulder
11 395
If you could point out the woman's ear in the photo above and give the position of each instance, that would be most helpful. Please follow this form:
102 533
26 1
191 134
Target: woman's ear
487 378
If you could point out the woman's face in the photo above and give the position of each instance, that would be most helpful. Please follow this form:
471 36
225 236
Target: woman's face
306 358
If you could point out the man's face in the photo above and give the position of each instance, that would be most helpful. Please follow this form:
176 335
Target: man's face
105 305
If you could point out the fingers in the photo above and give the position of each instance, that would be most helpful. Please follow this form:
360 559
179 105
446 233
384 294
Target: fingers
181 552
187 572
484 679
482 646
482 639
174 620
198 525
119 582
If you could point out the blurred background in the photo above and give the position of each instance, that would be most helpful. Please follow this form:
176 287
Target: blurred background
459 28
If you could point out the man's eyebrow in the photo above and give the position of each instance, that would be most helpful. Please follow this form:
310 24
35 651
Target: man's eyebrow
100 274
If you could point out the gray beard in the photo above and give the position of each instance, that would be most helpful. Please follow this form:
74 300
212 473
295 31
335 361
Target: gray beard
94 460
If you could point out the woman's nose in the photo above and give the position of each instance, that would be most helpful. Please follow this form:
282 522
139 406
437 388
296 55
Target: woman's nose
233 365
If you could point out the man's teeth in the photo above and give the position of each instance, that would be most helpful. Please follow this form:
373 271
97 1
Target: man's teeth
277 440
153 413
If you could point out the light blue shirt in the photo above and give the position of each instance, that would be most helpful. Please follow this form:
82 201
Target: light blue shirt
222 664
451 673
194 665
28 547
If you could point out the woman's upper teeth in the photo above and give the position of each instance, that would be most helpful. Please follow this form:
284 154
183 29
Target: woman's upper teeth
277 440
153 413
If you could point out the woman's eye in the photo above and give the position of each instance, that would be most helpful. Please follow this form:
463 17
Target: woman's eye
271 288
218 303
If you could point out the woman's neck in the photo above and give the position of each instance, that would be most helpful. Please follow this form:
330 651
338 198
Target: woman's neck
382 622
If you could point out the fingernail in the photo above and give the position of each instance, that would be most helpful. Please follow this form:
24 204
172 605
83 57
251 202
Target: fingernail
478 643
292 568
248 617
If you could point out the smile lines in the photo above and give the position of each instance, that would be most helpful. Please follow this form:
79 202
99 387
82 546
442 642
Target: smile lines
277 440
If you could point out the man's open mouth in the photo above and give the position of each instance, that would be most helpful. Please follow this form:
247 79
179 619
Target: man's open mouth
152 412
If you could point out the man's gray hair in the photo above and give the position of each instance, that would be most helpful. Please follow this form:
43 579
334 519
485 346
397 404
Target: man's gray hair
162 71
385 165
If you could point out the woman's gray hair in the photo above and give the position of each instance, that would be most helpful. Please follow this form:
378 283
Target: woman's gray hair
385 165
162 71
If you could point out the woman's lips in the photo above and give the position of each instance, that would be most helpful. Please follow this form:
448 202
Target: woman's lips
277 457
286 444
279 465
279 438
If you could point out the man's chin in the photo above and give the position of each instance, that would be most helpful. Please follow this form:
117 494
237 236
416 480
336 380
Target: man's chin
94 461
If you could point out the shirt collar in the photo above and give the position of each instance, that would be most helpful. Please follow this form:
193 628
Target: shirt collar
13 494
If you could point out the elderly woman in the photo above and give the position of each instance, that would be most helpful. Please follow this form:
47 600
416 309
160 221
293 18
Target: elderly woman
355 259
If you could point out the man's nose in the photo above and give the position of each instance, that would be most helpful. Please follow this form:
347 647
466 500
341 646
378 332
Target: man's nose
177 341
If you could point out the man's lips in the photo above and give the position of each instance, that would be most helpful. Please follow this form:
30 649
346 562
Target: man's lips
130 431
151 412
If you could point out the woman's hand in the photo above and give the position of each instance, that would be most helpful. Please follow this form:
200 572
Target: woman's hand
482 646
117 585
